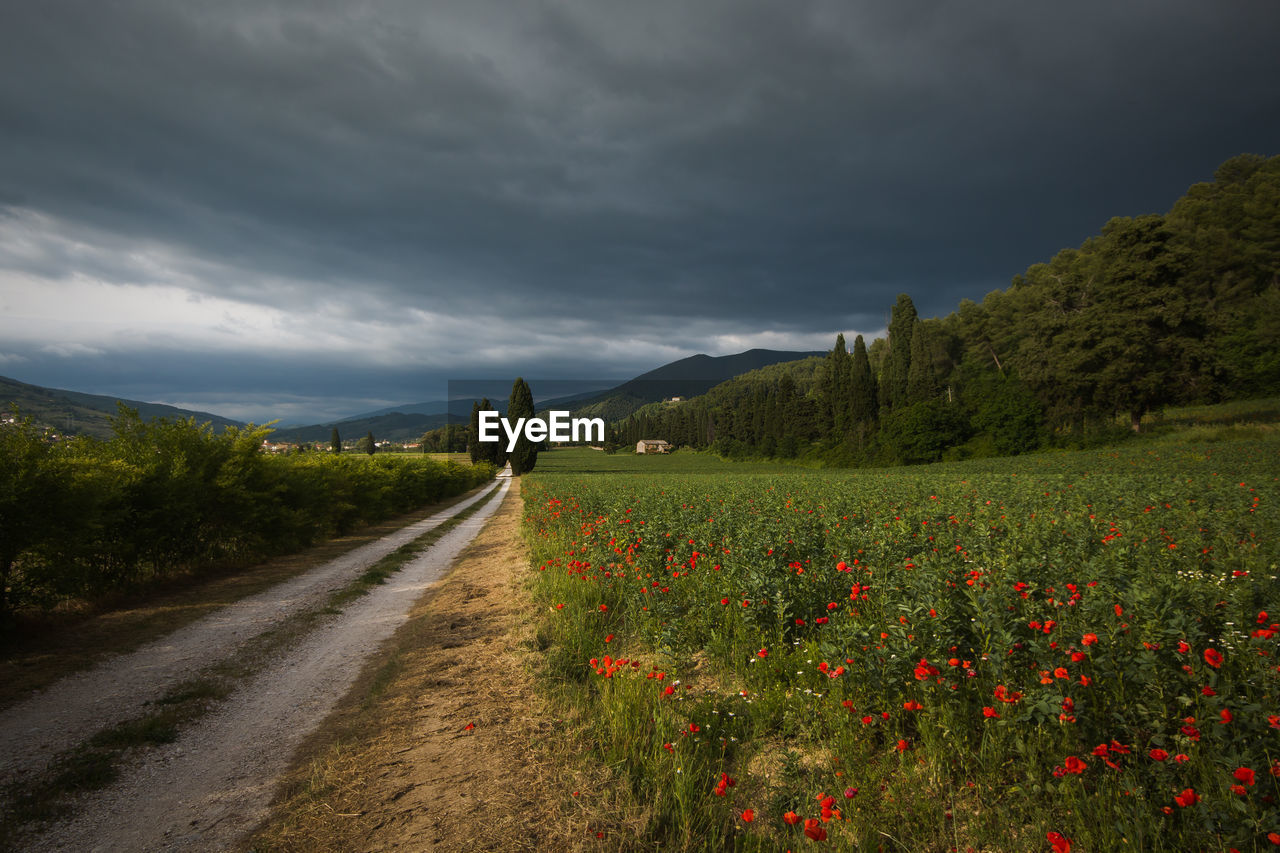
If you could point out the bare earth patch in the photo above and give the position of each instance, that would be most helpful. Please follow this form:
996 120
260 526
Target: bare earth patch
440 745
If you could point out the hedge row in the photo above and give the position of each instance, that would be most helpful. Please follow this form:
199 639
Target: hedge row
84 517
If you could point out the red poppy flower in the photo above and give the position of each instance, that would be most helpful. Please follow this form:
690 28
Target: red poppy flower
1003 694
1059 842
1213 657
791 818
814 829
748 815
1089 639
1158 754
990 713
1187 797
1075 765
1244 775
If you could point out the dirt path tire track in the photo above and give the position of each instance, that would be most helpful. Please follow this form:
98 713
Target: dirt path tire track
55 719
404 770
212 785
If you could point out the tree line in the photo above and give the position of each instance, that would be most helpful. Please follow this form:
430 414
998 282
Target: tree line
1156 310
83 517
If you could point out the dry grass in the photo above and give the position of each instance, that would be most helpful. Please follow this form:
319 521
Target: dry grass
396 766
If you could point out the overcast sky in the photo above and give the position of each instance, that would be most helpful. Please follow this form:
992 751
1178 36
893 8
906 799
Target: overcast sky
311 209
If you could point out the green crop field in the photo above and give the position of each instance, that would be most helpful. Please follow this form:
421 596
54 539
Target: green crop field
578 460
1060 651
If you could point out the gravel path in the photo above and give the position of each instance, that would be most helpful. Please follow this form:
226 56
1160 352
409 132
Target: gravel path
35 730
213 785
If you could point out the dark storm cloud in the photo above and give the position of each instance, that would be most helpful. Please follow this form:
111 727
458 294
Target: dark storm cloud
760 166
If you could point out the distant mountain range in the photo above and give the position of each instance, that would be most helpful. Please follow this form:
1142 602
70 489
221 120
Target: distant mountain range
75 413
394 426
687 377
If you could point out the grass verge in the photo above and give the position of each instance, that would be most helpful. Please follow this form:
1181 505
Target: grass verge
442 743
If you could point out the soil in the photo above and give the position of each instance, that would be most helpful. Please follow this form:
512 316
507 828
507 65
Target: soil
452 756
214 784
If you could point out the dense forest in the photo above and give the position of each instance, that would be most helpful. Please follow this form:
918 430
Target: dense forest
1154 311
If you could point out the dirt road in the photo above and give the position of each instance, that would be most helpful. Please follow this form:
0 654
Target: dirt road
213 784
459 750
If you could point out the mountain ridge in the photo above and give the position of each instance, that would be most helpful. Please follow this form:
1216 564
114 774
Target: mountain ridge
80 413
76 412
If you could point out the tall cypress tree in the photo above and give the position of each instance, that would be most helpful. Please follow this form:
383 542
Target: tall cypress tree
922 384
493 452
901 324
474 450
525 454
335 441
835 388
862 385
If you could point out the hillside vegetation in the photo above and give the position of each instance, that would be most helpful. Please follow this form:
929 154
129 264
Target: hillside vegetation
76 413
684 378
1155 311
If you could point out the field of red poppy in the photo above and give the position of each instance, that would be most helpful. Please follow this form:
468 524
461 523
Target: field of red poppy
1071 651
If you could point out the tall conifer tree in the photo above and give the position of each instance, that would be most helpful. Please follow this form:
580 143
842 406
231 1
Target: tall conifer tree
901 324
862 385
922 384
525 454
474 450
835 388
